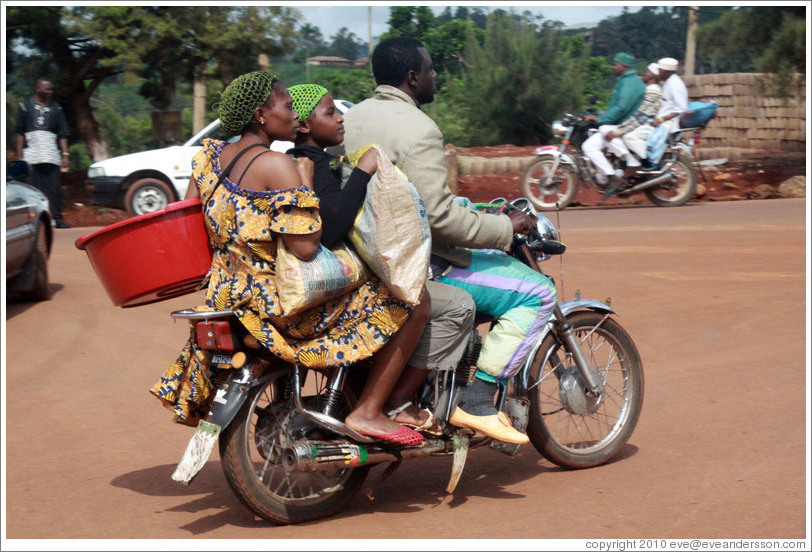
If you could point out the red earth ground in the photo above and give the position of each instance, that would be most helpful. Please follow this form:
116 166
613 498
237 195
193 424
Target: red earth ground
754 177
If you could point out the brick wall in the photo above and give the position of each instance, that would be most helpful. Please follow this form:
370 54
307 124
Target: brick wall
746 122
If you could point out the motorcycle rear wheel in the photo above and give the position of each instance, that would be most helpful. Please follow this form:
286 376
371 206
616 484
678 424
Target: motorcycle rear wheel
538 186
569 428
251 450
680 191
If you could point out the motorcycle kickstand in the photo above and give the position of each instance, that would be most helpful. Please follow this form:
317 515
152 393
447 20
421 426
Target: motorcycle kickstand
369 492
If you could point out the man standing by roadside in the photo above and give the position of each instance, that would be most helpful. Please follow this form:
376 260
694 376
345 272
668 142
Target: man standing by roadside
42 142
627 95
675 94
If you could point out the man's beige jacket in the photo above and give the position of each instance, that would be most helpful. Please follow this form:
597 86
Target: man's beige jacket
414 143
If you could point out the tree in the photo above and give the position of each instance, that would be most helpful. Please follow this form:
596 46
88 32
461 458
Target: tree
78 49
309 42
83 46
648 34
769 39
345 44
446 43
412 21
784 58
518 80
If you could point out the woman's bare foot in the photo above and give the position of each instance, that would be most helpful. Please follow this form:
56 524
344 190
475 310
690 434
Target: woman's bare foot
379 425
384 429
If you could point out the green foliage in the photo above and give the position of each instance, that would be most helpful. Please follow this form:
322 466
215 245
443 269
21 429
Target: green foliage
518 81
124 129
783 60
648 34
447 44
354 85
502 77
757 38
346 45
414 21
450 115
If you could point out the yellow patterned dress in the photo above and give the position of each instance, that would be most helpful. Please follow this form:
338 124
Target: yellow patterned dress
243 226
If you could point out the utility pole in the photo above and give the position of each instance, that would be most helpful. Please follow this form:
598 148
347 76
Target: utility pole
690 41
369 28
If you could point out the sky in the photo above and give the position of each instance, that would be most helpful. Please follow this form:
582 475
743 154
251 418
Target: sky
332 16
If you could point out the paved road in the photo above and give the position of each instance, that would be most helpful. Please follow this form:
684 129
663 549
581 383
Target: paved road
713 294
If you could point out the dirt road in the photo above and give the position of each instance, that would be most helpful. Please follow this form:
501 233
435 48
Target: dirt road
713 294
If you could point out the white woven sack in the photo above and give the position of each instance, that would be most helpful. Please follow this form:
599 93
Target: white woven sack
391 232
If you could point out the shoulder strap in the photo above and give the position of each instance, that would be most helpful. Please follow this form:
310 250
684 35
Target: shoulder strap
245 170
228 169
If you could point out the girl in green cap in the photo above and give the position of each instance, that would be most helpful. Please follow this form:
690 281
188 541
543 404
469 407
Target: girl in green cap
341 190
253 197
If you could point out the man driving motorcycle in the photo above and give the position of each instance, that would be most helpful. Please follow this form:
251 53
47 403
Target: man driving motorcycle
520 298
627 95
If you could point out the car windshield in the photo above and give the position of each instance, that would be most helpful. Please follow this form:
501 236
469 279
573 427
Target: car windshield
215 133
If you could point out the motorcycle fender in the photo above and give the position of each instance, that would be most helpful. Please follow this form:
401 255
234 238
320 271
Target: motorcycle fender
230 396
554 152
567 308
228 399
575 305
685 149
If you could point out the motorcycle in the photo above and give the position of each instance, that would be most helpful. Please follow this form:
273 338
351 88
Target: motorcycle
289 458
554 177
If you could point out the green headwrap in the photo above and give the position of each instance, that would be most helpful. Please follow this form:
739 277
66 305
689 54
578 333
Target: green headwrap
241 97
305 98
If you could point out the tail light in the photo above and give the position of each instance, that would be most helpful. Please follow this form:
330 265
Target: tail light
216 335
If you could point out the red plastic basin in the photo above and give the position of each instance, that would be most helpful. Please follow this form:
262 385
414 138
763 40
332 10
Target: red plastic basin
151 257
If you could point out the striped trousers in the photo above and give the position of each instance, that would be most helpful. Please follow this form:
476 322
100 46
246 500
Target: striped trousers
521 300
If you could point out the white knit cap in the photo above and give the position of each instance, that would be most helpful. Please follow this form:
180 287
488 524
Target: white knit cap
668 64
653 68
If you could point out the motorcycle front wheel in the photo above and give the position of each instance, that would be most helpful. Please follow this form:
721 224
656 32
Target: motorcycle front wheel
569 427
252 446
548 191
681 190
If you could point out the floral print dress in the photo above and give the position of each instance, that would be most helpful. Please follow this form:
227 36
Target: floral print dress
243 226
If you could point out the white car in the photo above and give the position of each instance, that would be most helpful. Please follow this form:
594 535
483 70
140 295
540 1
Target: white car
146 181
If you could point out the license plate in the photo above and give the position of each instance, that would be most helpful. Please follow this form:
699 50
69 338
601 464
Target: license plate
221 359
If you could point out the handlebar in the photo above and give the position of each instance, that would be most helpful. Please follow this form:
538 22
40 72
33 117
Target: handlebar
537 244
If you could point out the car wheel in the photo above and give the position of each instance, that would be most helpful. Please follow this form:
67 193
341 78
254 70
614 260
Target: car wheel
147 195
40 287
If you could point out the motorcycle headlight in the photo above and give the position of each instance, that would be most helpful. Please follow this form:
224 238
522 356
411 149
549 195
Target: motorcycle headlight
546 228
559 129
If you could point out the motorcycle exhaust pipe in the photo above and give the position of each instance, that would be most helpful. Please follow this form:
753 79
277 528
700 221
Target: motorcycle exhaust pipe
663 178
307 455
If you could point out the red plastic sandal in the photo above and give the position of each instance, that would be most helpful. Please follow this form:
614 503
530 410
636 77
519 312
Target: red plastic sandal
403 437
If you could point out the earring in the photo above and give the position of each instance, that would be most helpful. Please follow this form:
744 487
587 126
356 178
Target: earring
262 121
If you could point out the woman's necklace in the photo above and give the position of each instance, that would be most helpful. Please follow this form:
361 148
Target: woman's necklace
262 142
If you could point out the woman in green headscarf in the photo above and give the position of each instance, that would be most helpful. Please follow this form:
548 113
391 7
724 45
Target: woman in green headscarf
267 197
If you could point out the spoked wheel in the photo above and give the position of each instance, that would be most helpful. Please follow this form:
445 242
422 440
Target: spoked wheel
251 450
544 188
569 427
681 190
